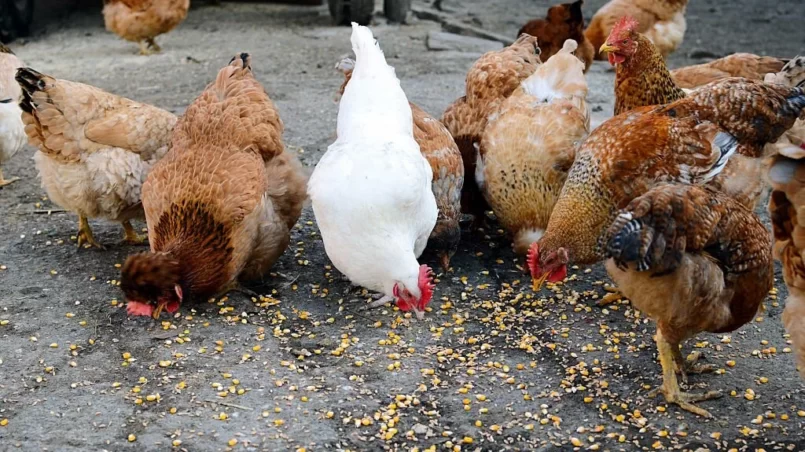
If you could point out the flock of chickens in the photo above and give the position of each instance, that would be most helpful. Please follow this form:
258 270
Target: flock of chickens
664 192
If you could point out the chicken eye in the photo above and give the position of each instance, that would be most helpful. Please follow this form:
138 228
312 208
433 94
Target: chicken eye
625 41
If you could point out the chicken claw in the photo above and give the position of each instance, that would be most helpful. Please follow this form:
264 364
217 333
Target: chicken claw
4 182
153 45
85 234
613 295
131 237
378 303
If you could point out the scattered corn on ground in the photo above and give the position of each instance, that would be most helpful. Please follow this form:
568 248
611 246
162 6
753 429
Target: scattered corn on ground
493 366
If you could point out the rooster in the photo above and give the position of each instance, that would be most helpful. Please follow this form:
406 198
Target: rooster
564 21
221 204
693 141
529 146
693 260
489 82
438 146
371 191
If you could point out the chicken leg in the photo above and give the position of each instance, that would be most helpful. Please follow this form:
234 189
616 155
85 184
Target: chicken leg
85 234
4 182
131 237
153 45
689 365
670 385
613 295
379 302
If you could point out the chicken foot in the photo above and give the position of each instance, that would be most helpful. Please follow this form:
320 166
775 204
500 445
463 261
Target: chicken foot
235 286
380 302
670 386
153 45
131 237
613 295
685 366
4 182
85 234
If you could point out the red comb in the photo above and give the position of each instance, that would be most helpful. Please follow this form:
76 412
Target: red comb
426 286
135 308
626 23
532 258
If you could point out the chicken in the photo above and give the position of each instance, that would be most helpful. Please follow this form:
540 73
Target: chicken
791 75
689 141
787 178
94 148
661 21
746 65
528 147
641 77
693 260
141 21
489 82
371 191
221 204
564 21
438 147
12 130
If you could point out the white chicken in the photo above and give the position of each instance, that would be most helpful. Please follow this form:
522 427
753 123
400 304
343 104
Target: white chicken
371 191
12 130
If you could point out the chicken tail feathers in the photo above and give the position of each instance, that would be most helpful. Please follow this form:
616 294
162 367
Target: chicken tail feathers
30 81
795 102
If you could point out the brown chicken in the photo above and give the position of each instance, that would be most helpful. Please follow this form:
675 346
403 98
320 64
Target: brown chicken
141 21
489 82
661 21
787 210
221 204
94 148
746 65
792 74
641 77
689 141
693 259
438 147
529 146
564 21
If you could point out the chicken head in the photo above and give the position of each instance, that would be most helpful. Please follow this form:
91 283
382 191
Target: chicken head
408 300
551 267
621 42
150 283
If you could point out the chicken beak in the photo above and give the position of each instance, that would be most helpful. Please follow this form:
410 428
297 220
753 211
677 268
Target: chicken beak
539 282
420 315
606 48
158 310
445 261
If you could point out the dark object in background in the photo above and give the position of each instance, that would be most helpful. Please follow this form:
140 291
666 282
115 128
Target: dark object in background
15 19
345 11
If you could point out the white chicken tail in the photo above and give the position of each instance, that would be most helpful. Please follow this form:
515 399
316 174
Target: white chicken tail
373 104
561 77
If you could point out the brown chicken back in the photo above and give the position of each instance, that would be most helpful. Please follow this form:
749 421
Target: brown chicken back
490 81
746 65
693 260
562 22
221 204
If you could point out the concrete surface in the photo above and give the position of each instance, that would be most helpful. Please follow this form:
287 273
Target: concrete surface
538 371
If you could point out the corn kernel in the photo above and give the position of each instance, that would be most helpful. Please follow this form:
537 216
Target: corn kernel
172 410
3 422
232 442
132 438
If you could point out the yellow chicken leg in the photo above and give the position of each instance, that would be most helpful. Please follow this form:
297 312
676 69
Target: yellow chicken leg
4 182
153 45
85 234
670 385
613 295
131 237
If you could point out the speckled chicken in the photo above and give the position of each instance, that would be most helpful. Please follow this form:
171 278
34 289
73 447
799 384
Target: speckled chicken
661 21
529 145
94 148
690 141
141 21
692 259
746 65
641 77
489 82
12 130
221 204
791 75
439 148
787 211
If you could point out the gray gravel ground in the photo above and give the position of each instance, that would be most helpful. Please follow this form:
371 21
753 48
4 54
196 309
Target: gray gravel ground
537 371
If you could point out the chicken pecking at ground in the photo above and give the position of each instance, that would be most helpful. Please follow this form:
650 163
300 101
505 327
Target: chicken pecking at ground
693 259
439 148
661 21
12 130
371 191
141 21
94 148
562 22
221 204
787 211
689 141
489 82
642 77
530 144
